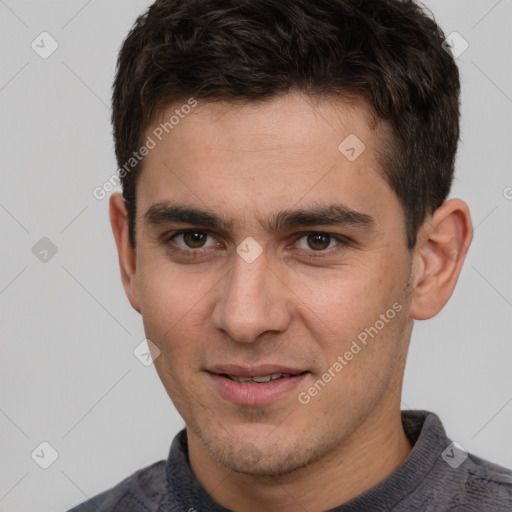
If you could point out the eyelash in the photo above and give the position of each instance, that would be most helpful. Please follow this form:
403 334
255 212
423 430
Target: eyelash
200 252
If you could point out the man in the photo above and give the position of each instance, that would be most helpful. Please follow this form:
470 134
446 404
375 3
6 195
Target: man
285 167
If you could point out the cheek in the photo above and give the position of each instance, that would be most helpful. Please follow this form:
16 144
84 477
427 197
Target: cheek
174 305
173 312
348 309
345 300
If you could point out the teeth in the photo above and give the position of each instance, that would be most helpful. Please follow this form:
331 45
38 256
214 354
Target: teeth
263 378
266 378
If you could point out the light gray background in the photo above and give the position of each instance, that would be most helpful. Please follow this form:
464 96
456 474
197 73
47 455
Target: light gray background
68 373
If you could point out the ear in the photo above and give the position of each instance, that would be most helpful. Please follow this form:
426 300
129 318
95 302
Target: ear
126 253
443 241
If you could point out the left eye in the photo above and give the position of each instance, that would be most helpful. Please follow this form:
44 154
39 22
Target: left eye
317 241
193 239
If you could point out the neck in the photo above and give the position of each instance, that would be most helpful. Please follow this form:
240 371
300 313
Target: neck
372 453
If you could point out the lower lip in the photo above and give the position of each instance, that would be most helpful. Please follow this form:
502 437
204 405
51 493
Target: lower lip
264 393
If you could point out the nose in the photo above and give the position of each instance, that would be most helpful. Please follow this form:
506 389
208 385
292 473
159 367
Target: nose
252 300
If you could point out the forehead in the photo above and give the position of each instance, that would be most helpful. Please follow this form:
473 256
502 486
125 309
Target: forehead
287 150
283 123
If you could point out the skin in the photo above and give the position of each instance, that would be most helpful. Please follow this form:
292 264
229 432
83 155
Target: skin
293 305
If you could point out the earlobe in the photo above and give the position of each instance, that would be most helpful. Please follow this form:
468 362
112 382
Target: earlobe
443 242
125 251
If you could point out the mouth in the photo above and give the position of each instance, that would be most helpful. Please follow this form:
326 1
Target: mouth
259 379
257 385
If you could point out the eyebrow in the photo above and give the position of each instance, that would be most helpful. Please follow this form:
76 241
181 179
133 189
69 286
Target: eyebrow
327 215
166 213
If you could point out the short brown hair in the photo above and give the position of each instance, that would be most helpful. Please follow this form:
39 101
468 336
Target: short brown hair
387 52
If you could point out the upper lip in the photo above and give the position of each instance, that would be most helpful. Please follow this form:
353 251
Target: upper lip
253 371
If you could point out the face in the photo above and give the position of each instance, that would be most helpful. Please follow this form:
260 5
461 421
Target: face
264 249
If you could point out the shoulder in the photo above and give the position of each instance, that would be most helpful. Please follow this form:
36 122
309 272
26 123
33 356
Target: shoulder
488 486
140 492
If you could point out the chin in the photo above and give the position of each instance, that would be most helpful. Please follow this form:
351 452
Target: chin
271 459
251 466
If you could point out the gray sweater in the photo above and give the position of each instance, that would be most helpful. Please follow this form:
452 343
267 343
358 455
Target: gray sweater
436 477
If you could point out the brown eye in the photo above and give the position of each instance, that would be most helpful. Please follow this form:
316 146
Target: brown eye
194 239
318 241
